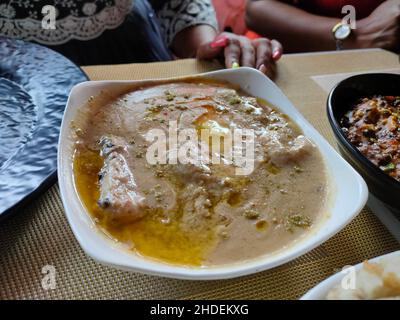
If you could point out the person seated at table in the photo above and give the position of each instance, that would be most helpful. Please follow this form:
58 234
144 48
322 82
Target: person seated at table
315 25
122 31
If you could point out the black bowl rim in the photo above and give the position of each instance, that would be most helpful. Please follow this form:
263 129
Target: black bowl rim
337 129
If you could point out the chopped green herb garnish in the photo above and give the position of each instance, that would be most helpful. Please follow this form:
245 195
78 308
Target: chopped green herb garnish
297 220
389 167
155 108
169 96
298 169
251 214
234 100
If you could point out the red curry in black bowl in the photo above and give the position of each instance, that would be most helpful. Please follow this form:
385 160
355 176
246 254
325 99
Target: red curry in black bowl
373 126
363 111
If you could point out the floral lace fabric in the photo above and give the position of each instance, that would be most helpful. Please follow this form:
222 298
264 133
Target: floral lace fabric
86 20
177 15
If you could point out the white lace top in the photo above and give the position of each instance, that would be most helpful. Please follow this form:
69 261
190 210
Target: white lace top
86 20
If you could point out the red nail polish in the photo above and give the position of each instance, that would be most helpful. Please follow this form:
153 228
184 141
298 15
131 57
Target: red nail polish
276 55
219 42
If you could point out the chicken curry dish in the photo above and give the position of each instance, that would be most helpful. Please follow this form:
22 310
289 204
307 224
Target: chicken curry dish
201 212
373 126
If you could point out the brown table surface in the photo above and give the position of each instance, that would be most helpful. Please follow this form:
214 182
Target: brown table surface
39 234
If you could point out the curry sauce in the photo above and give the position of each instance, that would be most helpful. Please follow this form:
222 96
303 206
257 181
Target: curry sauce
200 213
149 237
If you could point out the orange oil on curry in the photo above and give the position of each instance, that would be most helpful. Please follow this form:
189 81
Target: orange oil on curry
148 237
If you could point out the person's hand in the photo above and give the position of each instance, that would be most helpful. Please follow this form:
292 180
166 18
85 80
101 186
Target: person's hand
238 50
381 29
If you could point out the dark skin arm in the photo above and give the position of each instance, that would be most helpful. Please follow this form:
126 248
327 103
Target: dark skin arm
296 29
299 30
187 42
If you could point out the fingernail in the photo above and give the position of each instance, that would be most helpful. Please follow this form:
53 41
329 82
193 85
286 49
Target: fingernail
235 65
276 55
219 42
263 68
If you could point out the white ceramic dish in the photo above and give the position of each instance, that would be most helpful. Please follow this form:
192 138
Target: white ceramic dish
349 191
321 290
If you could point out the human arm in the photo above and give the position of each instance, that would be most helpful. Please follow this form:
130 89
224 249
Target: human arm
295 28
299 30
198 36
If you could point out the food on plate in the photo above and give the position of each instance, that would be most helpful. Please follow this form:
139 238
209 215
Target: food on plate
373 126
375 280
198 212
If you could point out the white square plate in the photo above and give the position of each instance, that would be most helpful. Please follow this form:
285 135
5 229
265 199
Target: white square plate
348 190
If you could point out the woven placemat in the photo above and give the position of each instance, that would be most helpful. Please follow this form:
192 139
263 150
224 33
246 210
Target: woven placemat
39 234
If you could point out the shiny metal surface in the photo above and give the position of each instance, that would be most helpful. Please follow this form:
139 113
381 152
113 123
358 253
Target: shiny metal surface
34 86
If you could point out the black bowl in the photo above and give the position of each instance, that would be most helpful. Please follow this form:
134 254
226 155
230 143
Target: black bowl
341 99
